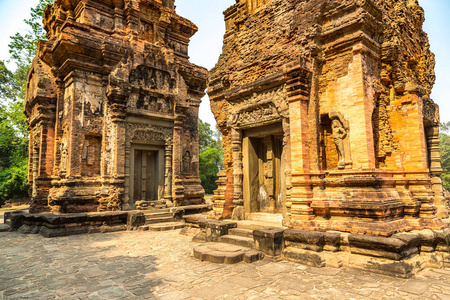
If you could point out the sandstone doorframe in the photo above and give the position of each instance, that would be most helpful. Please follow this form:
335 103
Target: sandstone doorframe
150 138
250 160
160 170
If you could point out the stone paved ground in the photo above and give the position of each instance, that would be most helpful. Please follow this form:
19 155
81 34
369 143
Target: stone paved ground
148 265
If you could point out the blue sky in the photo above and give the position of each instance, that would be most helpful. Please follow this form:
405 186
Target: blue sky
206 45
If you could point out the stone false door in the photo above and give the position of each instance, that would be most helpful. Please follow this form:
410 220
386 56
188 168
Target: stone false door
147 176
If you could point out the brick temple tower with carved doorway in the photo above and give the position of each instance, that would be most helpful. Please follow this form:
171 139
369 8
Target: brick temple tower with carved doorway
326 116
112 107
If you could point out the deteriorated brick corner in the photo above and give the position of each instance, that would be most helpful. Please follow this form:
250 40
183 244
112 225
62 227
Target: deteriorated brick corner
326 116
112 107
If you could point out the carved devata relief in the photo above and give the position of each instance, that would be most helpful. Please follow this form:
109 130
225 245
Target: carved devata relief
64 153
144 101
186 162
335 142
152 79
340 133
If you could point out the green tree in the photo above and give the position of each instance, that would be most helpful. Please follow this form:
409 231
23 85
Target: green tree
445 154
211 156
205 136
23 46
210 161
13 126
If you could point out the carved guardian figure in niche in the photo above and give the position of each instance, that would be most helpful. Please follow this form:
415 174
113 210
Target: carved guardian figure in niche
340 130
339 134
187 162
64 153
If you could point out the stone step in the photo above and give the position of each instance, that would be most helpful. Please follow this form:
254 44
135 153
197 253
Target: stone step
266 217
226 253
255 225
163 226
4 227
157 215
158 220
194 219
155 210
238 240
241 232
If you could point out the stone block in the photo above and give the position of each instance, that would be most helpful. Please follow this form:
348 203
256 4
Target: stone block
135 220
332 241
391 248
4 227
269 240
216 229
304 239
14 219
428 240
304 257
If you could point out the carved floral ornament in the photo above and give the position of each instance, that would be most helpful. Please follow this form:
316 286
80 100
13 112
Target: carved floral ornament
151 134
262 108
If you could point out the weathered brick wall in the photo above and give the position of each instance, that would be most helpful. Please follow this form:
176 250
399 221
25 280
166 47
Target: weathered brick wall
371 68
113 77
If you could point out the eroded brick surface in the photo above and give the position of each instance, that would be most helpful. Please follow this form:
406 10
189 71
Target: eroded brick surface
326 116
112 106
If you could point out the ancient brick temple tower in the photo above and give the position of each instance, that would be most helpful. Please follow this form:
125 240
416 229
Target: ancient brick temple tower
326 116
112 106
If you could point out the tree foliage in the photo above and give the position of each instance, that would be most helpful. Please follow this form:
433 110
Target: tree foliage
445 154
13 126
23 46
211 156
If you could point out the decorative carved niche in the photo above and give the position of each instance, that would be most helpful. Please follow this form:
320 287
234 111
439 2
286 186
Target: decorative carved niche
335 143
186 162
90 156
146 30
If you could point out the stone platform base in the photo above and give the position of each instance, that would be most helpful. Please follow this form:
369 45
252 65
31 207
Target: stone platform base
226 253
400 255
54 225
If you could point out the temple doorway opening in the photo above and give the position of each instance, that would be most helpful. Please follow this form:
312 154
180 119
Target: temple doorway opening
264 191
147 167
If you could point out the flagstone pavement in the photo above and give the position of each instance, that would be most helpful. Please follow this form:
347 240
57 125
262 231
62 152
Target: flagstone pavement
155 265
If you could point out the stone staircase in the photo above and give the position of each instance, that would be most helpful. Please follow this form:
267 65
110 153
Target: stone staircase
239 237
161 220
172 218
226 242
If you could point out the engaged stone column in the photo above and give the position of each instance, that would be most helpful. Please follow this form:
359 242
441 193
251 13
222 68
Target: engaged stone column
178 188
301 196
432 134
168 176
238 175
